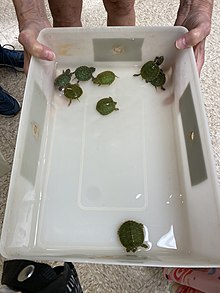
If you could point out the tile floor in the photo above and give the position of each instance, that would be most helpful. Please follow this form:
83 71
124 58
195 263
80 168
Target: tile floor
104 278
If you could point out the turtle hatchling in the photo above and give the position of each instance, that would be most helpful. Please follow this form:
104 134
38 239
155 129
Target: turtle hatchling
159 81
84 73
63 79
106 106
104 78
150 70
72 91
131 235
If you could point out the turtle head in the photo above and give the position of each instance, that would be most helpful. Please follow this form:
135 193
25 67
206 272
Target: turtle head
92 69
159 60
95 80
68 72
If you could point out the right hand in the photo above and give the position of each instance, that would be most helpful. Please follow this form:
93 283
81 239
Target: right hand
29 32
197 19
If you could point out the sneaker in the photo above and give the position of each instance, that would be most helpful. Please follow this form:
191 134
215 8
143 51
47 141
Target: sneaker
11 58
29 276
9 106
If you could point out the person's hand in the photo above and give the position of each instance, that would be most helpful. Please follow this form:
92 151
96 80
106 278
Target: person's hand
197 19
28 38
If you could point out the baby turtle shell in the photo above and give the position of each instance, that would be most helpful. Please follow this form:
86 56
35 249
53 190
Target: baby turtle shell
63 79
131 235
150 70
104 78
106 105
84 73
72 91
159 81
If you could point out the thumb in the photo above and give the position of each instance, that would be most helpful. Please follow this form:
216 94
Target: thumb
34 48
191 38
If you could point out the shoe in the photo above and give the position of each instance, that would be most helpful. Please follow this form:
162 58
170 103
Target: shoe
11 58
29 276
9 106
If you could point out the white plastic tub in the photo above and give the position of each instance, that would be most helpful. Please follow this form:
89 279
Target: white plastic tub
78 175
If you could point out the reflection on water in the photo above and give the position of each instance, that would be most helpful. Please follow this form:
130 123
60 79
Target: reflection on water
177 198
138 195
168 240
146 238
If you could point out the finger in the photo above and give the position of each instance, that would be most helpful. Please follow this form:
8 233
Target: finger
182 13
34 48
179 20
27 58
199 51
191 38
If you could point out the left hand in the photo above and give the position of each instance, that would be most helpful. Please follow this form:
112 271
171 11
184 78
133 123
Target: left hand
197 19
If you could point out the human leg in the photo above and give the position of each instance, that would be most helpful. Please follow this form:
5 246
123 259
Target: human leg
9 57
120 12
9 106
66 13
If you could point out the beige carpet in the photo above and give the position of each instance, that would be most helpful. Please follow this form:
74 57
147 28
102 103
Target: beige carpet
105 278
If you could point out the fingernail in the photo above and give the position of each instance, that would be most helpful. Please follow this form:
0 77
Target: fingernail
181 43
50 55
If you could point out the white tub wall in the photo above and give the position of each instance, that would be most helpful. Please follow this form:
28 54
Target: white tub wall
157 41
202 197
22 186
152 259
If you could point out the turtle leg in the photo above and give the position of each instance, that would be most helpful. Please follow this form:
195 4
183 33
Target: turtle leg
144 245
162 88
136 74
77 80
70 102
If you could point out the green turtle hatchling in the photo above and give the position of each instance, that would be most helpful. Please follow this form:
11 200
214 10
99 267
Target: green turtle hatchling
63 79
150 70
131 235
106 106
159 81
84 73
104 78
72 91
